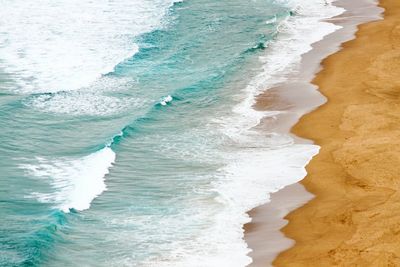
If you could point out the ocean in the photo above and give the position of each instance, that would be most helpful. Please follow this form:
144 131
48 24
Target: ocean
128 135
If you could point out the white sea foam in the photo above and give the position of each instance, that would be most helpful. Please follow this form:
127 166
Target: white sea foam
246 183
52 46
76 182
84 103
166 100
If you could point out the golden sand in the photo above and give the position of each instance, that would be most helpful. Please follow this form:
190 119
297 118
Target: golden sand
354 219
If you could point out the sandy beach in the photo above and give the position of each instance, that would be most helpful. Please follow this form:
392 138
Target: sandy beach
354 218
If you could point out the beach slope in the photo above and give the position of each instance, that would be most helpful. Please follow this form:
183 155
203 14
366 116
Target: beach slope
354 220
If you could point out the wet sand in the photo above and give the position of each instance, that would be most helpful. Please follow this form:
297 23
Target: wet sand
297 97
263 233
354 219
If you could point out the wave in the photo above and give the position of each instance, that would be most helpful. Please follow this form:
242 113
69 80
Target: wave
105 97
38 245
75 182
53 46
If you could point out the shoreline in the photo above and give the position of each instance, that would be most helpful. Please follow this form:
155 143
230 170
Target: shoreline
353 221
298 97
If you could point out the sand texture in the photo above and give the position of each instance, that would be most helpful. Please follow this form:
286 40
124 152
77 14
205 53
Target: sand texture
354 220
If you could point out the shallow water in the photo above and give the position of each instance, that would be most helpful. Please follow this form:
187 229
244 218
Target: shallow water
127 130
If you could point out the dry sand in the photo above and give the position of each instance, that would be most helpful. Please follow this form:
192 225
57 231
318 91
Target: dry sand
354 220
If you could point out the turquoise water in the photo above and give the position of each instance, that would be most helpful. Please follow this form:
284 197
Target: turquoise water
127 164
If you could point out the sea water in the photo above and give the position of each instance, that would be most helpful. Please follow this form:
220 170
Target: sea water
127 129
